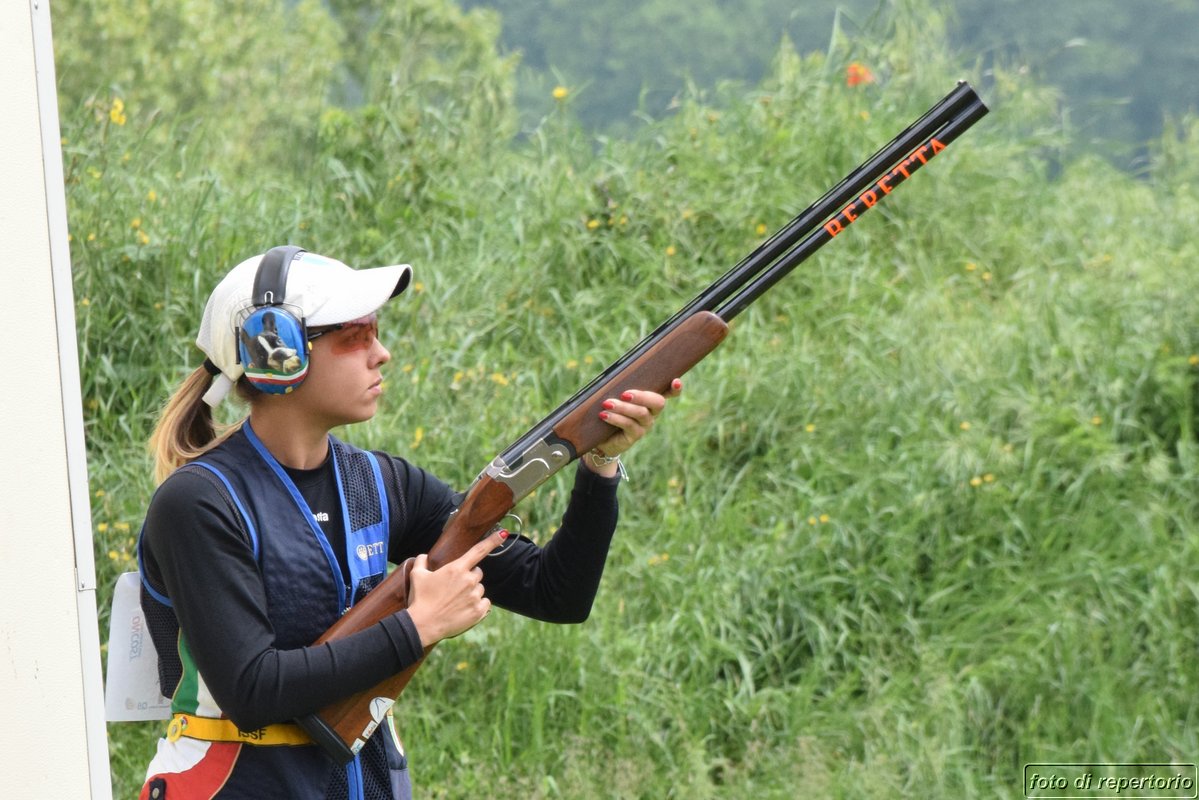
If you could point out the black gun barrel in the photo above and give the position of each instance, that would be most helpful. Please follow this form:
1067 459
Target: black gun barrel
863 200
782 252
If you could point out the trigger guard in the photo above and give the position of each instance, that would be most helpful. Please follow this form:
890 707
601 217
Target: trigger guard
515 530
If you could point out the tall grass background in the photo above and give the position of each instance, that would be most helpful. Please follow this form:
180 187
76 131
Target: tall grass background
927 515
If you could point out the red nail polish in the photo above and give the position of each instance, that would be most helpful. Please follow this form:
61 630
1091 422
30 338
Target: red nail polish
504 534
608 404
603 415
627 396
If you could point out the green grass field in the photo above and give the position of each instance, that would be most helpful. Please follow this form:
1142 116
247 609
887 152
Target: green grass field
927 516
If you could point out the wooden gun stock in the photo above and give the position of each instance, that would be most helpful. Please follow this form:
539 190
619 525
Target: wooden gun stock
671 357
343 728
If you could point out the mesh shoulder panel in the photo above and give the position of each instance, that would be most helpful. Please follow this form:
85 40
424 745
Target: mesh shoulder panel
358 484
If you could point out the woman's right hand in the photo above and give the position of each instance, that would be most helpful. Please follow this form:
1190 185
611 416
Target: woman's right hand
445 602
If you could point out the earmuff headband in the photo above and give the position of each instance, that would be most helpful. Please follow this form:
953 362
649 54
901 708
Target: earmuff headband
270 282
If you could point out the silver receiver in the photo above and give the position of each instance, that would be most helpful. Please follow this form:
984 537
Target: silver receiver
534 467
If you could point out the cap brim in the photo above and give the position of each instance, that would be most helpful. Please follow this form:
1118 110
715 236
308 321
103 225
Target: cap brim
363 293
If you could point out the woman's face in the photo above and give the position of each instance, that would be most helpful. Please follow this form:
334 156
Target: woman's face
345 379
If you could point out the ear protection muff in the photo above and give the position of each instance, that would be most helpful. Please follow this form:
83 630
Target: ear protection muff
272 342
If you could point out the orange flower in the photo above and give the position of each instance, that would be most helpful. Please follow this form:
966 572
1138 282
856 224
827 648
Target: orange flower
856 74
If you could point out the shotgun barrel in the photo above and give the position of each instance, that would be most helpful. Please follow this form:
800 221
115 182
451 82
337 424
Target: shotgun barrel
790 245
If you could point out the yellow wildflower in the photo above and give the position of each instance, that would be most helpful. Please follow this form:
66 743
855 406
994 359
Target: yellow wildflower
117 112
670 251
964 426
761 229
560 92
592 224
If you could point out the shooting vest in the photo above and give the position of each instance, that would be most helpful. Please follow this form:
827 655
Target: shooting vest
305 594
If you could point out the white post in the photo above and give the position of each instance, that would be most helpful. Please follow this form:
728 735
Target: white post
53 740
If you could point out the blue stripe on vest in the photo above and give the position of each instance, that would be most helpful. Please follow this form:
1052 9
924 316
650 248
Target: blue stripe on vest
141 567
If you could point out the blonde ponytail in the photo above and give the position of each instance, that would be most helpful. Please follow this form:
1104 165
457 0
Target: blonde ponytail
186 429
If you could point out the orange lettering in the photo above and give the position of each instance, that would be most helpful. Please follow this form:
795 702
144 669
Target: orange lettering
869 198
882 184
848 213
833 227
937 146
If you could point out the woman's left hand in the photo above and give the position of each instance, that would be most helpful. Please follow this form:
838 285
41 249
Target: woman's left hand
633 414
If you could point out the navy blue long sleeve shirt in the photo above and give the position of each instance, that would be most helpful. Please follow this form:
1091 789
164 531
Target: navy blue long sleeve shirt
195 552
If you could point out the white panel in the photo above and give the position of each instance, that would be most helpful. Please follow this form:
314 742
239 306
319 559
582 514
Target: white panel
54 741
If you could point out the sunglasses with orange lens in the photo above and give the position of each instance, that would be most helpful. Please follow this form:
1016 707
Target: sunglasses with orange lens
349 336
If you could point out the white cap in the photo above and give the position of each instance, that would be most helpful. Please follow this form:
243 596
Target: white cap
322 290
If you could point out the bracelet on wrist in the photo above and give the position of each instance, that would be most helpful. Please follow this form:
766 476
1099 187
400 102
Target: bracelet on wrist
597 459
601 460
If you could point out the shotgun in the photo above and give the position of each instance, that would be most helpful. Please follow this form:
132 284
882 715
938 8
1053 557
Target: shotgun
678 344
